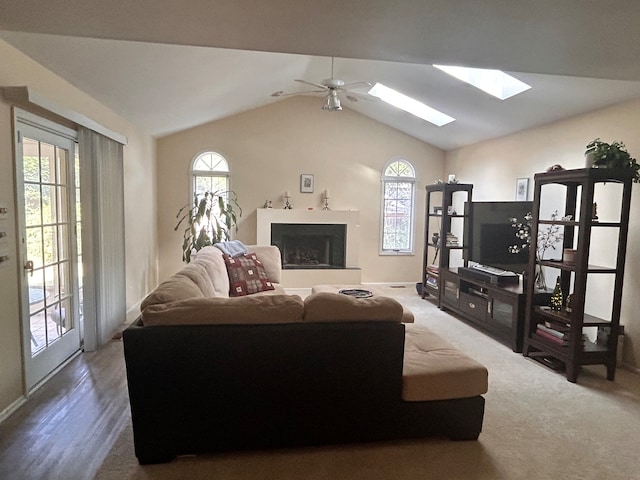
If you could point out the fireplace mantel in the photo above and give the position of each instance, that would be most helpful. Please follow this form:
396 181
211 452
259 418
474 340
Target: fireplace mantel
306 278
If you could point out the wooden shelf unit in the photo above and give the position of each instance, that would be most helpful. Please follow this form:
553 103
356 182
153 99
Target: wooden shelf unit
574 349
439 218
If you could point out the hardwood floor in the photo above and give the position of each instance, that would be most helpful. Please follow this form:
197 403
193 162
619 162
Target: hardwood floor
66 428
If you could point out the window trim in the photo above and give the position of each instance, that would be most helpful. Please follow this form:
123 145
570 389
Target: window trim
383 181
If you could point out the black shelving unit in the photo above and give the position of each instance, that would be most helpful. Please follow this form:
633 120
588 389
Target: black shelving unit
440 216
567 344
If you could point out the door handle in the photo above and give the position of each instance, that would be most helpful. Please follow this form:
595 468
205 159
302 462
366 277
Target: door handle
28 266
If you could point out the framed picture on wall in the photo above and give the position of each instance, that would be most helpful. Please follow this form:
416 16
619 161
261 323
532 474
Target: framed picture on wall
522 189
306 183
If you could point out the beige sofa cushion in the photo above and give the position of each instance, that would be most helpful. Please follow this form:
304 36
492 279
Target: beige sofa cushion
213 262
175 288
434 370
198 274
250 309
332 307
271 260
407 315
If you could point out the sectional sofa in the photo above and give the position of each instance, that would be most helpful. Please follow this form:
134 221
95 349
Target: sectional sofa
208 372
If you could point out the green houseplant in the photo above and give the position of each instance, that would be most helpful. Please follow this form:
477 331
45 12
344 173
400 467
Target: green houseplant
208 220
612 155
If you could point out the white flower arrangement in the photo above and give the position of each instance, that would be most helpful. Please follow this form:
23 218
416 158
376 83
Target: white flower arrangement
547 239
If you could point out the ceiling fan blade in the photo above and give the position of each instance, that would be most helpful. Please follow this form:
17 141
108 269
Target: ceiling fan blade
312 84
356 96
355 85
280 93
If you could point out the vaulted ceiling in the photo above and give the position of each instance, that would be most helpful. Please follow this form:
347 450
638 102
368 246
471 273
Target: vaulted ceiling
168 65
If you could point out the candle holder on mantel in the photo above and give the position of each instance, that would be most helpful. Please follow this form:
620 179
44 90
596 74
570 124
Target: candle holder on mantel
287 205
326 200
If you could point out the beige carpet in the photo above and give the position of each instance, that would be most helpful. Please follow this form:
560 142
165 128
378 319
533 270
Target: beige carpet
537 426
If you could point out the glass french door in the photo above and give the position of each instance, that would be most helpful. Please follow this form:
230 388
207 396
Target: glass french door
47 174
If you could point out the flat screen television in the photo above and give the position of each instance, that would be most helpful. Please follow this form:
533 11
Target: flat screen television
489 234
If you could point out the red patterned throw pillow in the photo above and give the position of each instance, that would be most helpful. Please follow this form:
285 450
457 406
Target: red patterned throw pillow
246 275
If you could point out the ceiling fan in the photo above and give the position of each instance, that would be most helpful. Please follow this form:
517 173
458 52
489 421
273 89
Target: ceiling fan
332 87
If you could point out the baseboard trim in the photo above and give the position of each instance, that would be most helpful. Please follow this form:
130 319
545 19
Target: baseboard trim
630 368
7 412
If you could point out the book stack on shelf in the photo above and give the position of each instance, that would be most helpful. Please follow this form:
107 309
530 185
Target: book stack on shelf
432 276
553 332
556 333
452 240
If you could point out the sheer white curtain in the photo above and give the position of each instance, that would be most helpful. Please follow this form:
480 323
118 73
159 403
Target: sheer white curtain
102 199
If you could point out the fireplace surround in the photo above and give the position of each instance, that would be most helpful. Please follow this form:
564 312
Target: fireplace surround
326 250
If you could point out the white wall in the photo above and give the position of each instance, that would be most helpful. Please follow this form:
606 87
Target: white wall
269 147
494 166
140 204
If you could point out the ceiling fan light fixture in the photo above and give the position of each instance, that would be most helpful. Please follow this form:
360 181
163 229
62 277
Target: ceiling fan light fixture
332 102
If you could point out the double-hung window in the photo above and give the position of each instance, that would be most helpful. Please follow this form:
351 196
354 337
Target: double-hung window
398 205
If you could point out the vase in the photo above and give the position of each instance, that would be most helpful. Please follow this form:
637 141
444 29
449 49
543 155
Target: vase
589 159
540 281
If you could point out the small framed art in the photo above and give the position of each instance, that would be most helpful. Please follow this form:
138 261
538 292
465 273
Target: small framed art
306 183
522 189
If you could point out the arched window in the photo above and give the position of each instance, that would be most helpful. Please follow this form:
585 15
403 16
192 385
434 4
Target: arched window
209 173
398 202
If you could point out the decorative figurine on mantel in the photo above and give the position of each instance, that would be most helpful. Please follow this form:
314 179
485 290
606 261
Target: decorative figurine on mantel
287 205
326 200
267 204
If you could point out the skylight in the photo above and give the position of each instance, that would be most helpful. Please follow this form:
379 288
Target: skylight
494 82
411 105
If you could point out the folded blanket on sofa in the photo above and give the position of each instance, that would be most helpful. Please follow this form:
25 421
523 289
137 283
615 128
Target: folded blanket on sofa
233 248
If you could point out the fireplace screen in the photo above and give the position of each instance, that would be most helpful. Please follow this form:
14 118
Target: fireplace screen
305 245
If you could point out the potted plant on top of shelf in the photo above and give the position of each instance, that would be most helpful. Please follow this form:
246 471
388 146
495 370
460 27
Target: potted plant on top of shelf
604 155
209 219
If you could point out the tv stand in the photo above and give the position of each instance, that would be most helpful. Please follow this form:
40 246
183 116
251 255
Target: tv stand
496 309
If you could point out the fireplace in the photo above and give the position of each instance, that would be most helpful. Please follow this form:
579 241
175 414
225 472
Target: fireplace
318 260
310 245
